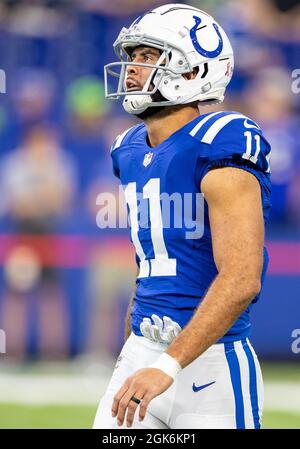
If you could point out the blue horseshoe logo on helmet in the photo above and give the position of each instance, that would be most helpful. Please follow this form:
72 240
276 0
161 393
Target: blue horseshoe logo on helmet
197 46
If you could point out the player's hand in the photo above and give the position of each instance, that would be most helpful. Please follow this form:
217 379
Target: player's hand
162 331
144 385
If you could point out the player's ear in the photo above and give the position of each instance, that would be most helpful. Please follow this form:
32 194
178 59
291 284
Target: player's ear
191 75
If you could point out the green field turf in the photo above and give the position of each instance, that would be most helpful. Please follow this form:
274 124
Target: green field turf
79 416
46 416
74 417
281 372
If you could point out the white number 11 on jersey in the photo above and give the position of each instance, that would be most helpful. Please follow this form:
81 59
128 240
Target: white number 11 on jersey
161 265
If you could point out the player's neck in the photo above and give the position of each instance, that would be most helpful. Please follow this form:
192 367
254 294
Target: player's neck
162 125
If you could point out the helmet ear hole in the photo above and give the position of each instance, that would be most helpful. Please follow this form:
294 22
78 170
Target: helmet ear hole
191 75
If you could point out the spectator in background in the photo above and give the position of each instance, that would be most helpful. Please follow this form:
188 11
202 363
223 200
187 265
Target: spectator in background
264 34
263 18
119 7
38 187
294 200
36 17
87 118
281 18
38 180
32 95
269 98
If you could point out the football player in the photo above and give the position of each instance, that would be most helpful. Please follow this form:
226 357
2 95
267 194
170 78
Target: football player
188 361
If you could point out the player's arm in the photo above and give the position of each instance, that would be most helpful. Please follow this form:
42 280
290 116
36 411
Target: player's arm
237 228
128 313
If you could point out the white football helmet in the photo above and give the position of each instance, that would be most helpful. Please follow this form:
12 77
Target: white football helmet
186 37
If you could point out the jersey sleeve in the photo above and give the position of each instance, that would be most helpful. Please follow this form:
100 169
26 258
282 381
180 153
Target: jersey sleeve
237 141
234 140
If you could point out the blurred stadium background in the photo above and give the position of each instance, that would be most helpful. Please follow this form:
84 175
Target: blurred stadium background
65 283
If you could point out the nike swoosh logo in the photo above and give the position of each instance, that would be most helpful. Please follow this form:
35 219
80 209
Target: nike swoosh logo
195 388
248 125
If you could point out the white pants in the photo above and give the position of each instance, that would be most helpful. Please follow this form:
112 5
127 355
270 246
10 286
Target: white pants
221 389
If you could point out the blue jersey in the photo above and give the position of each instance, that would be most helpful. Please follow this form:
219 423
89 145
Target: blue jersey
173 242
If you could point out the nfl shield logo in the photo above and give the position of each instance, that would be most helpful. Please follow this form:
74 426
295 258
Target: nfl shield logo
147 159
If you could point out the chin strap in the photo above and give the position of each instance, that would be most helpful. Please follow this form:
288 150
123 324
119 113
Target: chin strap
136 104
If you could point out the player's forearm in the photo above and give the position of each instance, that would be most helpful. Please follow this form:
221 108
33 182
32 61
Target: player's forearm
224 302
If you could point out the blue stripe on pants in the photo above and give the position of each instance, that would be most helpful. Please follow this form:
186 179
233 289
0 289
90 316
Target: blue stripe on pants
252 384
235 375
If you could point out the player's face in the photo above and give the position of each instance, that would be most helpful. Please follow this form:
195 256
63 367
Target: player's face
136 75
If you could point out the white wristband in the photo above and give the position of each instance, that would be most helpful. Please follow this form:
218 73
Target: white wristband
167 364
